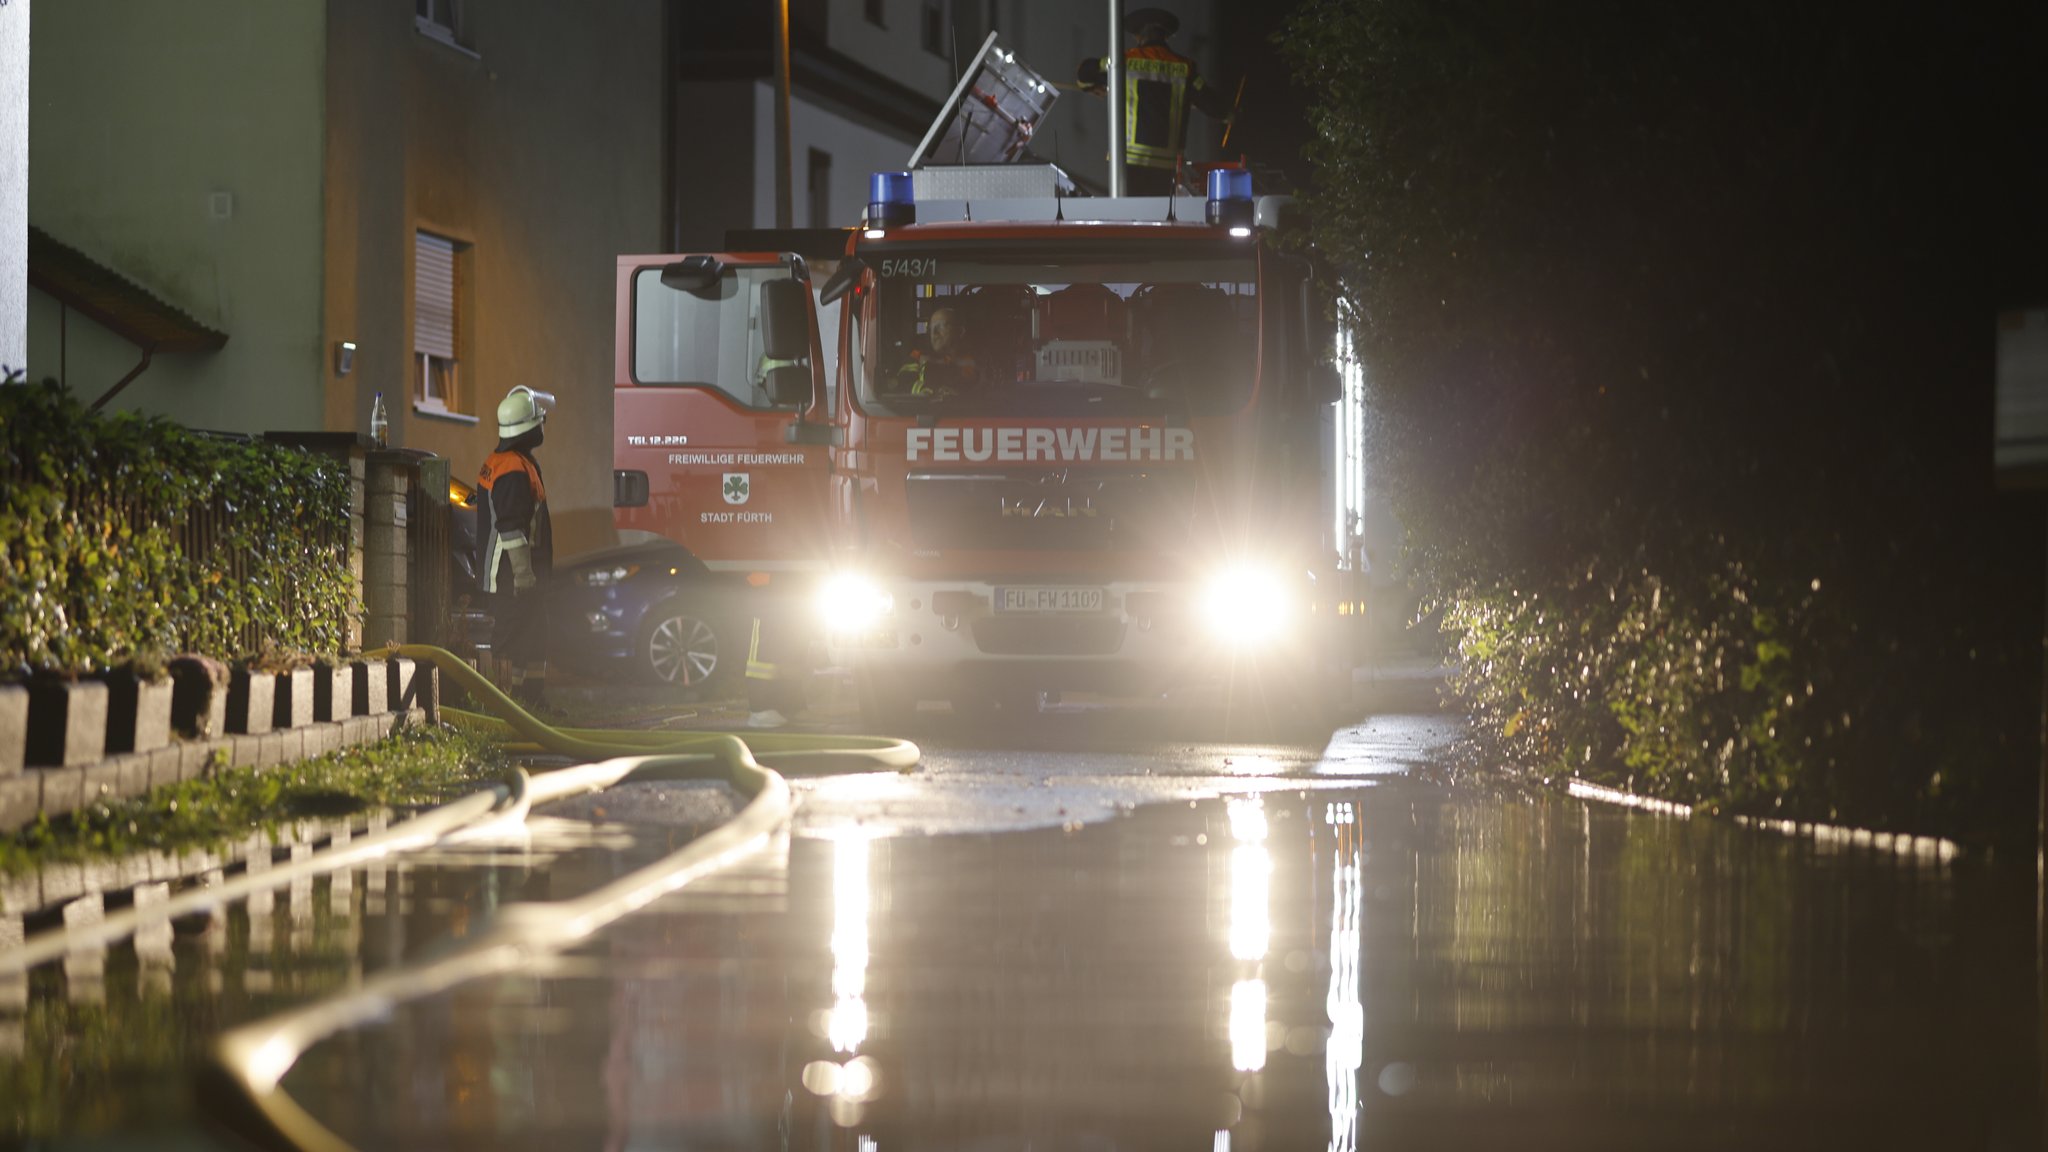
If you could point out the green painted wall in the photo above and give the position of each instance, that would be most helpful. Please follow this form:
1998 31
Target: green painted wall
141 112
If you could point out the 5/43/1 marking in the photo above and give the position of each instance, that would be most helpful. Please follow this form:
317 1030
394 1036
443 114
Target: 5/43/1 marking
920 266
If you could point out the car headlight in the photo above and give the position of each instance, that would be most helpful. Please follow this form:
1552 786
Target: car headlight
849 602
1247 605
606 577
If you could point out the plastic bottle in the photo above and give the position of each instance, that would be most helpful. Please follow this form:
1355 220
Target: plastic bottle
380 425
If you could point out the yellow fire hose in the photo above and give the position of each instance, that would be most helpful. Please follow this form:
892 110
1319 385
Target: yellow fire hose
241 1085
796 751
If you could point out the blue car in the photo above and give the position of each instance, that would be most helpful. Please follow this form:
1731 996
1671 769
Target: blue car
647 613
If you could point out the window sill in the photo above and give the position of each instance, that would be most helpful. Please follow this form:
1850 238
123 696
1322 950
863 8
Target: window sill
439 413
445 36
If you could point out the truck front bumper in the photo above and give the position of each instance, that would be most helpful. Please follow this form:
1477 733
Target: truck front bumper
942 639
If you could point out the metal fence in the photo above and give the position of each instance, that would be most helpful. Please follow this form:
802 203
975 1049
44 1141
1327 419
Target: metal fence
204 539
430 542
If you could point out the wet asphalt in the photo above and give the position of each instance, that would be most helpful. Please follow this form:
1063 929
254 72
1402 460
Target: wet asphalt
1096 927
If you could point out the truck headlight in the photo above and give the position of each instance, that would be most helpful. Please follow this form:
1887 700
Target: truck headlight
850 602
1246 606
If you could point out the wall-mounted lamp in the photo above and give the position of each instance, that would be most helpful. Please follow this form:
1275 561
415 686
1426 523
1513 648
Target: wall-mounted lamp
344 357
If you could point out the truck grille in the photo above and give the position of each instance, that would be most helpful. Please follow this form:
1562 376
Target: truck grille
1047 636
1056 510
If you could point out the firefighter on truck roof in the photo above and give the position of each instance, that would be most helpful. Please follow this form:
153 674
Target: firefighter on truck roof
515 543
1159 86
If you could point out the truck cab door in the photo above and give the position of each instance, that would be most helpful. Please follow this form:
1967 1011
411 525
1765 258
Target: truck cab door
718 441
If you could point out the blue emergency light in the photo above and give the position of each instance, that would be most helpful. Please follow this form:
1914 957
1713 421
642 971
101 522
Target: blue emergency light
892 202
1230 200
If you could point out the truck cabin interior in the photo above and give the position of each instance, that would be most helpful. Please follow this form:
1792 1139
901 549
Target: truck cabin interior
1057 344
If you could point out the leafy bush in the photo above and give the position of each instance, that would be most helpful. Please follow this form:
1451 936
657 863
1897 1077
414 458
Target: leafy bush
1683 689
125 537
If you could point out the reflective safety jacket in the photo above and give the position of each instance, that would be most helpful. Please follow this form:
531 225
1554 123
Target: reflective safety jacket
1159 84
512 509
927 374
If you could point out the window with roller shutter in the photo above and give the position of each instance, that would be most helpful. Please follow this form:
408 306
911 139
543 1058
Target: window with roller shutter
437 323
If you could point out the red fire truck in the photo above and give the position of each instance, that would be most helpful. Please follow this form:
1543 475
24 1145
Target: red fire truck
1010 444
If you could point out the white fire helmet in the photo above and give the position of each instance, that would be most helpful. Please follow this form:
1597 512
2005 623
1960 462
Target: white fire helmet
522 410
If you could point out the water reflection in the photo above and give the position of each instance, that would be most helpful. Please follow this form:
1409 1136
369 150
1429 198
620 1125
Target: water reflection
1251 878
847 1023
1344 1048
1251 928
1534 975
102 1043
155 959
1595 978
1248 1025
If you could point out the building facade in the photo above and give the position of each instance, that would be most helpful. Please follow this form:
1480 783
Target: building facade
179 147
420 199
425 199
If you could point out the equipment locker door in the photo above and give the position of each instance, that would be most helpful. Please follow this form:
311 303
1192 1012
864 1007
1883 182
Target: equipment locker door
718 434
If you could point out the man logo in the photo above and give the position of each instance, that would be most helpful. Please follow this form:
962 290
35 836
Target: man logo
736 488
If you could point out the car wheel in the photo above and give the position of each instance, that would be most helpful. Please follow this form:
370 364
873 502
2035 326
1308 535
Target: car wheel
682 651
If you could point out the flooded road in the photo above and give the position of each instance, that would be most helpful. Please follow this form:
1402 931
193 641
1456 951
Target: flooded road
1147 946
1377 968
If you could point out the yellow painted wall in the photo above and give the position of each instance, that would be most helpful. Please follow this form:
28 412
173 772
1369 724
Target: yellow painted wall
539 146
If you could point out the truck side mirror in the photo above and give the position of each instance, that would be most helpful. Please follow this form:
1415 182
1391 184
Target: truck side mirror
786 339
788 385
842 280
697 275
786 320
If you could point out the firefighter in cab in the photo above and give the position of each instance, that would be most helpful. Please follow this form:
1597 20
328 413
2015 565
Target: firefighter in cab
515 545
949 368
1159 87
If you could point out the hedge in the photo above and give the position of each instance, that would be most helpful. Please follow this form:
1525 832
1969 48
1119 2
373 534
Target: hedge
125 538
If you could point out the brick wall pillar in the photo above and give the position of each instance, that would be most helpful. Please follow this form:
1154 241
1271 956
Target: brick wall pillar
386 493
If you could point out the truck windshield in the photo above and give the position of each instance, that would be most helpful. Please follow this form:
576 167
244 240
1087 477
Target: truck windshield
1031 334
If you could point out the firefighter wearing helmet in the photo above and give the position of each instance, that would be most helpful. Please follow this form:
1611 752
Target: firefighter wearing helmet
515 544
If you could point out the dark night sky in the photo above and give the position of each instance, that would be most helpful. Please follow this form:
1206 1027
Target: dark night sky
1271 130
